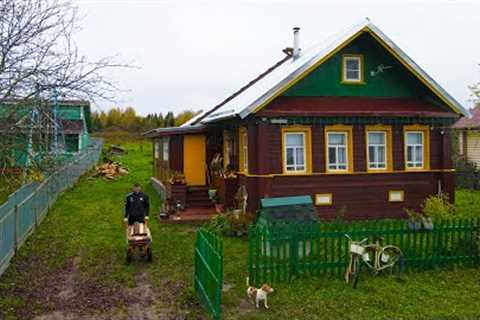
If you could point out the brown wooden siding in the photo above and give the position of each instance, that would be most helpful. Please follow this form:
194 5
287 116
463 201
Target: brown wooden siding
362 196
318 143
398 148
359 152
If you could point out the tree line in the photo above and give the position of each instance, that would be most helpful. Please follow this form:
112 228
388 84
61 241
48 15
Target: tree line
128 120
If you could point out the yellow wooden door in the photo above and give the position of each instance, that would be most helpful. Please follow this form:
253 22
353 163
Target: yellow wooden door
194 158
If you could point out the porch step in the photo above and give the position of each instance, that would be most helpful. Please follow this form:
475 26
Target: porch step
191 215
197 197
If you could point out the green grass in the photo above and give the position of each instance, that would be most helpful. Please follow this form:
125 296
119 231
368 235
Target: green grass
85 226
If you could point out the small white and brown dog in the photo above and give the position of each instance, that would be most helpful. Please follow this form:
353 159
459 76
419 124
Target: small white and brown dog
259 294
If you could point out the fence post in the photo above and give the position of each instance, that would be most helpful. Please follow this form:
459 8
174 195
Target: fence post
15 228
35 208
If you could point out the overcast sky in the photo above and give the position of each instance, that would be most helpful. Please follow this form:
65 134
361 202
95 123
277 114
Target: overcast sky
194 54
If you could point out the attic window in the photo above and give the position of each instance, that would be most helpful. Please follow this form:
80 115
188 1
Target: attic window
352 69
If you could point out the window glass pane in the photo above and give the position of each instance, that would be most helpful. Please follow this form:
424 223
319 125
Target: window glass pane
414 138
371 154
299 156
331 155
381 154
336 139
418 154
376 138
165 150
294 139
352 64
290 156
409 153
354 75
341 155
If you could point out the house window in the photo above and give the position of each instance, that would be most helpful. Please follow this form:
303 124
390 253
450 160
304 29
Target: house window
157 149
243 139
377 150
339 153
166 149
352 68
416 147
379 147
296 149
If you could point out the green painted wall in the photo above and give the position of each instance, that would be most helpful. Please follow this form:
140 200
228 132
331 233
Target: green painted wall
394 82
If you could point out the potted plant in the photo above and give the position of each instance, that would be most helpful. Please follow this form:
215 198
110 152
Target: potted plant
414 220
177 191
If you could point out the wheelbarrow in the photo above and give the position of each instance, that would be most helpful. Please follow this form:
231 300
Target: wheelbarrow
139 241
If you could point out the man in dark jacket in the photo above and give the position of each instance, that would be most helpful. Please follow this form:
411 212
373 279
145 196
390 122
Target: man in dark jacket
137 206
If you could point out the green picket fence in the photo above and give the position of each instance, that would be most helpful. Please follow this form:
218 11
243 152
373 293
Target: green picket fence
281 252
208 278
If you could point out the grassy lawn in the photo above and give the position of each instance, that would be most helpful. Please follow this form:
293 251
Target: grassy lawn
73 267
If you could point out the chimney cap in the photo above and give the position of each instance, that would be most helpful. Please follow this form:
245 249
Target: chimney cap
296 28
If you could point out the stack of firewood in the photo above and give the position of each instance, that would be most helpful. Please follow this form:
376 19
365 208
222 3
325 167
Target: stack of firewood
111 170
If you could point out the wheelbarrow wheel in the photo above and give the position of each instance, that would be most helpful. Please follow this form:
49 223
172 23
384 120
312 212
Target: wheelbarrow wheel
129 257
149 255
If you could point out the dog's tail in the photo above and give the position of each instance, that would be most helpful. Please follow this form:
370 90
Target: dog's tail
248 281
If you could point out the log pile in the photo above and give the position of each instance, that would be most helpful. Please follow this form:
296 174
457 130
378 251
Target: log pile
111 170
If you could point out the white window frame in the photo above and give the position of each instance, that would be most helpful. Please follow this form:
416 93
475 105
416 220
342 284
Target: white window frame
345 69
376 146
166 149
288 168
345 146
411 164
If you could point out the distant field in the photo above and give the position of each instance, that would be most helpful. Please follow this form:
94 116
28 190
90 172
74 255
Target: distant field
119 137
73 267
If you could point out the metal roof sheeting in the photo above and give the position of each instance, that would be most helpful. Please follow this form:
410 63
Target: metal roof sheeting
273 83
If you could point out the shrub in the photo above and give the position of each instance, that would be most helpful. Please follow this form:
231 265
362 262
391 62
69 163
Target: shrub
230 224
435 207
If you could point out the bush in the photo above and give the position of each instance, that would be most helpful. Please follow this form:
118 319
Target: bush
434 207
230 223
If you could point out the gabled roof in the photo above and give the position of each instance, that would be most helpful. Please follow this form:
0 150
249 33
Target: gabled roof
277 80
472 122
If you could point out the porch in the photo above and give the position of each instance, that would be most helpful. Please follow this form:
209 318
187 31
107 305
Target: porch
194 173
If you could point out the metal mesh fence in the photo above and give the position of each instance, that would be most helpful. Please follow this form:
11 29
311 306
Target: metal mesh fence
25 208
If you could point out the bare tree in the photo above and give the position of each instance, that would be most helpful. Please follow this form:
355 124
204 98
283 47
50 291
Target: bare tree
38 57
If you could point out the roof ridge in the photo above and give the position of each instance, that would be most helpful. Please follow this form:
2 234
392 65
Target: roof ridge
242 89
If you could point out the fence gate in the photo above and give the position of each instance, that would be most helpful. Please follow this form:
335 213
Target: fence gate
208 278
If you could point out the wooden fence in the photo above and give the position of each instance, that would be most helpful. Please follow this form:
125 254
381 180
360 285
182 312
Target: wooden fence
281 252
208 278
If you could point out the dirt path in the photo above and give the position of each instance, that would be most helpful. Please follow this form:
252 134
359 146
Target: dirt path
73 266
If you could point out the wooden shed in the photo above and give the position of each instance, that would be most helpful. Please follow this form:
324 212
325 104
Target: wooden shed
354 123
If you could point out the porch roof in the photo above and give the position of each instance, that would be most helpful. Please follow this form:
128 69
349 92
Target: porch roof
162 132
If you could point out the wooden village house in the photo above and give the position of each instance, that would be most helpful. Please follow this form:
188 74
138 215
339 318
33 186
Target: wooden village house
355 123
469 136
73 126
